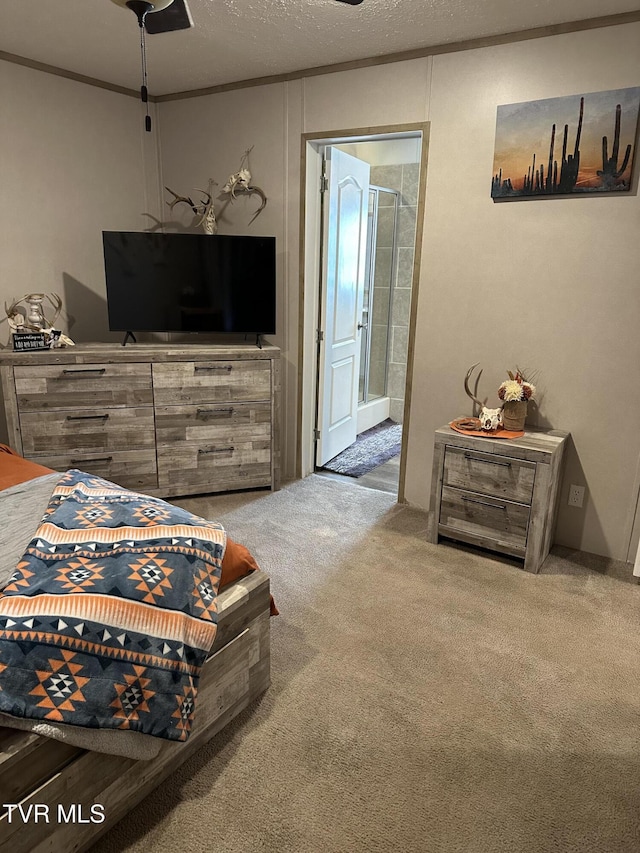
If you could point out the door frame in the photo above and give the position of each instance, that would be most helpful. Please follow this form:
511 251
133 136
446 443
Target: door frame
632 526
312 145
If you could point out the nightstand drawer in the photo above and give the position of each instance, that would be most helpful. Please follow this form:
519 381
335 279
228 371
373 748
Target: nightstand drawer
499 476
483 520
75 386
82 430
212 381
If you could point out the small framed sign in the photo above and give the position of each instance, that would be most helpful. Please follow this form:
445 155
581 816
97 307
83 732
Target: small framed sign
23 341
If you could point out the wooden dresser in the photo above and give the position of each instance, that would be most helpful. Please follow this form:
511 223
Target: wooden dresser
496 493
164 419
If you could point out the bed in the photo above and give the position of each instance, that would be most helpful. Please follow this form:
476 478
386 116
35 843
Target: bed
58 791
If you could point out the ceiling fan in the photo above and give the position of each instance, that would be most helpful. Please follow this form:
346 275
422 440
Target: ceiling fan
171 15
164 16
176 16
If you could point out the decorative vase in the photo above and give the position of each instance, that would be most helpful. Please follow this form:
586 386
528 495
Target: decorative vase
35 317
514 414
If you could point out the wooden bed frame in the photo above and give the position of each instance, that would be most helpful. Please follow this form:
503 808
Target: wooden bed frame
38 771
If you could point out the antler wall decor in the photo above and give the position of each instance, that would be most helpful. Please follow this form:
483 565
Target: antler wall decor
238 183
204 210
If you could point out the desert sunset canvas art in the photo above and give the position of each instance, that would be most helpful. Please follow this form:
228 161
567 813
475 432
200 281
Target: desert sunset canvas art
574 144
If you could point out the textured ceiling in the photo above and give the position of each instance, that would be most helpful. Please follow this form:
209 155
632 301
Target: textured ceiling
235 40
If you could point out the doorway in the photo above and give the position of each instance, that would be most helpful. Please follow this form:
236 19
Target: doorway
371 454
386 311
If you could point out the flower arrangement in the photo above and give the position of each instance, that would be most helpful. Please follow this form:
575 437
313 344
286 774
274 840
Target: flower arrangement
516 389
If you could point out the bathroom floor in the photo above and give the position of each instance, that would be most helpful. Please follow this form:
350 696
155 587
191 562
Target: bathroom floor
384 478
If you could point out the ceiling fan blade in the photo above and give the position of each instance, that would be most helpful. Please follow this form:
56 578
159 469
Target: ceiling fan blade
174 17
351 2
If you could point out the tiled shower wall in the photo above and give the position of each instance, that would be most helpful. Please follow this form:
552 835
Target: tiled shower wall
404 179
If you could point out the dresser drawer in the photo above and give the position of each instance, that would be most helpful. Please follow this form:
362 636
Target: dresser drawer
132 469
215 466
222 424
500 476
212 381
483 520
61 432
53 387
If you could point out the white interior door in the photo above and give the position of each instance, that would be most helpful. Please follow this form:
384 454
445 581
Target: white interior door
342 293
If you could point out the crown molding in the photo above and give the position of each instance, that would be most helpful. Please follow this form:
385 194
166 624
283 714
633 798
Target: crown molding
416 53
403 56
70 75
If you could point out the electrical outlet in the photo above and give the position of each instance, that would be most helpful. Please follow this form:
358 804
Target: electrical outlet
576 496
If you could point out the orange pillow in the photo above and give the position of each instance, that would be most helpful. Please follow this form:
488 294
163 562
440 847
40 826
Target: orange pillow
238 562
15 469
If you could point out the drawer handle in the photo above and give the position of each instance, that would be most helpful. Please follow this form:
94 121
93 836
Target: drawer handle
215 450
87 417
203 367
204 413
95 459
488 461
484 503
80 370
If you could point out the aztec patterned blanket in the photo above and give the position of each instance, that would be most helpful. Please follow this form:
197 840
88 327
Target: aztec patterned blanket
111 612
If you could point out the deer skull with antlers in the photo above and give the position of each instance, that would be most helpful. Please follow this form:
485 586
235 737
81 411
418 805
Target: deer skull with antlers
204 210
240 182
490 419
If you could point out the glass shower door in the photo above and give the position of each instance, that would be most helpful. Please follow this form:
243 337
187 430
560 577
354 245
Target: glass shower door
376 312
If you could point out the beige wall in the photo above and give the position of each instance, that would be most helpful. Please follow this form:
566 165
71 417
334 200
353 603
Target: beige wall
71 161
549 284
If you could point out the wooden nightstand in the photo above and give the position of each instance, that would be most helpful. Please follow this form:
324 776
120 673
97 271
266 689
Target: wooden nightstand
498 494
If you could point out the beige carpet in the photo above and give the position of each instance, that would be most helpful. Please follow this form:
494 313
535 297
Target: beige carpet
424 700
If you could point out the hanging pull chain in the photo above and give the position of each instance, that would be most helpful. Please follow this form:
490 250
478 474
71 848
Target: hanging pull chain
144 92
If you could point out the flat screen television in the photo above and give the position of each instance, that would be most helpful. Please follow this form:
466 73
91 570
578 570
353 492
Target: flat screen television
190 282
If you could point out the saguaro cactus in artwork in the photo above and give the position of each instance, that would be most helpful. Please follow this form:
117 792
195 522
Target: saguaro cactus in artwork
571 163
549 185
610 173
